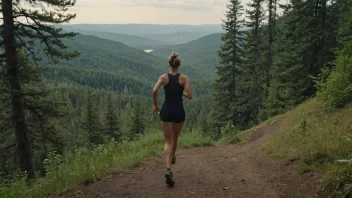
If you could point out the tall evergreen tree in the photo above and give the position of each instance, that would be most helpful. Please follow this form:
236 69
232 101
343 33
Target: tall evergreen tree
41 112
301 51
137 120
111 121
289 76
91 121
342 26
252 77
335 84
231 54
25 22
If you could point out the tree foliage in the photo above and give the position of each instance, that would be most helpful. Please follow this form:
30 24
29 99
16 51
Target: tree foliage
231 54
111 119
91 120
137 120
25 24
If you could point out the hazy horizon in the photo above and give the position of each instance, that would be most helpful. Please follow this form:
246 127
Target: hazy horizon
170 24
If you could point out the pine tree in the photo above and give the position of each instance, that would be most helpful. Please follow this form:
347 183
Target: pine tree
301 51
25 22
112 122
252 77
335 84
231 54
137 120
341 9
41 112
289 76
90 118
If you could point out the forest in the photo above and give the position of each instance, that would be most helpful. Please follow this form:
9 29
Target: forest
62 92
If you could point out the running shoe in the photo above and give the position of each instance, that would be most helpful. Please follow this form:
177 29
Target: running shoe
169 179
173 161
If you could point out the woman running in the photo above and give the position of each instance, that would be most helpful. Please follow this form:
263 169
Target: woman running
172 114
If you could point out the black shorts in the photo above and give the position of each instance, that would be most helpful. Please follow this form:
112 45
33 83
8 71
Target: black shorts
172 113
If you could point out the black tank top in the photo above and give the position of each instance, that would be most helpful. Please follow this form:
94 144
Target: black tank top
173 90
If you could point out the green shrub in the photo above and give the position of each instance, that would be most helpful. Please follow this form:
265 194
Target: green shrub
230 139
229 135
336 90
195 139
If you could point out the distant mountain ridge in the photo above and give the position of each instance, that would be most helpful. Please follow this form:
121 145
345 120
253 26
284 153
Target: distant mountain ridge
147 29
130 40
146 35
176 38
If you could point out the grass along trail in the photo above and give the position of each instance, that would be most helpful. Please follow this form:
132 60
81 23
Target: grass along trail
222 171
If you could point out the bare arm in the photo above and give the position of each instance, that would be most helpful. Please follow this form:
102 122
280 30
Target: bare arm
157 86
188 93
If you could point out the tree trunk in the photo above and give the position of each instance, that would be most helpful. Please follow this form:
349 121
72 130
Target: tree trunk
274 19
12 69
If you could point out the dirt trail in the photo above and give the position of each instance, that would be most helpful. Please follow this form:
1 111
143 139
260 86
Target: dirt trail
222 171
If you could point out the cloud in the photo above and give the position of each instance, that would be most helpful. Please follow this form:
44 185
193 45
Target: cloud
195 5
173 3
150 11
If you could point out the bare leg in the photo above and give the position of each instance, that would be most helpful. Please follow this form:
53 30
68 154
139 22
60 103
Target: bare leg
177 127
168 131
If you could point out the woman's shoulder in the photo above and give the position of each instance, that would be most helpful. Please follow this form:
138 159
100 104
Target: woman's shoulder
163 76
184 76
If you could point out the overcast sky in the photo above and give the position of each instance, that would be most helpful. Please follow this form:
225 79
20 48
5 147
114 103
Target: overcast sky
150 11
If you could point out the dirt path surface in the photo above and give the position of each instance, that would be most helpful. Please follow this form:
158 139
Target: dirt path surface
221 171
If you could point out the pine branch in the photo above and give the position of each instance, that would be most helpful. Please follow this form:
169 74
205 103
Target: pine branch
5 107
45 137
34 93
50 36
33 109
42 37
7 147
29 49
5 127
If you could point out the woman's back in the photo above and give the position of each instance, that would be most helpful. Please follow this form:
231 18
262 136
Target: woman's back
173 89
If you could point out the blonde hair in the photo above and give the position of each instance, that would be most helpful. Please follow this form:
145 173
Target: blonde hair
174 60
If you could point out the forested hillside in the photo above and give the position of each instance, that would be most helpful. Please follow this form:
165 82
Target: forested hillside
110 56
177 37
200 53
115 57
